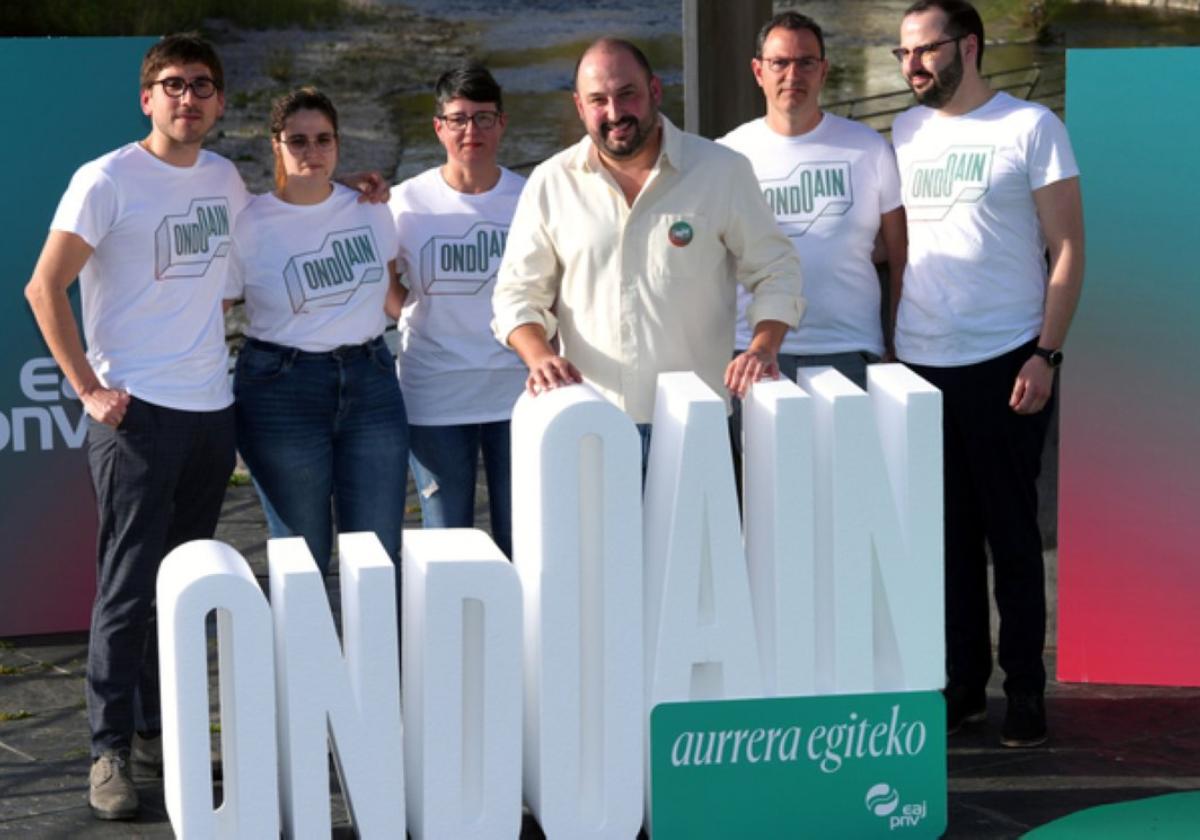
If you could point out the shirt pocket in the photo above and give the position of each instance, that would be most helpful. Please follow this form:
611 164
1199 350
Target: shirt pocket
681 246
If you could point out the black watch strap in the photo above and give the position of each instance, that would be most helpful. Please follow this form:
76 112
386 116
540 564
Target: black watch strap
1053 358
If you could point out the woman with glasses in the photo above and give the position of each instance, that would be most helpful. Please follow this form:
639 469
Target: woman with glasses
320 419
453 223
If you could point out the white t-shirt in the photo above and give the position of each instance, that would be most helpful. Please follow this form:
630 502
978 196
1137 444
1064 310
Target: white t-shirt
452 370
975 285
314 275
151 290
828 188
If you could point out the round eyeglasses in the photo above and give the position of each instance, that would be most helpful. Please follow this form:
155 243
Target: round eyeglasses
202 87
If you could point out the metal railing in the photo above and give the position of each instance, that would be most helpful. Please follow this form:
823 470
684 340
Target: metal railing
1042 82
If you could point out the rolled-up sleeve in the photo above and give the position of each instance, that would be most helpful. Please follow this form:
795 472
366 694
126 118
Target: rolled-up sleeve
528 283
767 263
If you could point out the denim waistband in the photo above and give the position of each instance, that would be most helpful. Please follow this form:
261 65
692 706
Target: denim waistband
346 351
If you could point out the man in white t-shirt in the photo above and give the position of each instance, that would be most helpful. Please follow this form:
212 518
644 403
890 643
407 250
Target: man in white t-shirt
990 186
459 384
833 185
147 229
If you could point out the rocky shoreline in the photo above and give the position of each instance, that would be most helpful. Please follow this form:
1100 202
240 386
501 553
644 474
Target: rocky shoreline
363 63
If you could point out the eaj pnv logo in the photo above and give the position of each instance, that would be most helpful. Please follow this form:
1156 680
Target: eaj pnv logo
186 244
330 275
884 801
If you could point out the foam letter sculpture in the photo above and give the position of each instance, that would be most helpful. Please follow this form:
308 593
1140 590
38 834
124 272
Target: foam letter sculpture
878 531
577 529
778 511
700 632
462 686
358 694
193 580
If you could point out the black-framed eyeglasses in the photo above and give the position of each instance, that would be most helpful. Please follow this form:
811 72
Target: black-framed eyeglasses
483 120
902 53
297 143
807 64
202 87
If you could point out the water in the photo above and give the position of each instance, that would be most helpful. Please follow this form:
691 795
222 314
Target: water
531 46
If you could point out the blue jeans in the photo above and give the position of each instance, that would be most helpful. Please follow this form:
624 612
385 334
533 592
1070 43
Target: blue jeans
445 461
160 479
319 426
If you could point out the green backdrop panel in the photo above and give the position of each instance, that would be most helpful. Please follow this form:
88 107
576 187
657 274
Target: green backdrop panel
67 100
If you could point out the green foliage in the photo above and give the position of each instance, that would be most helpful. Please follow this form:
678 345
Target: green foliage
136 17
280 63
19 714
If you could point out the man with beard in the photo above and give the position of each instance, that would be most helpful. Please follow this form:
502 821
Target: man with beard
989 185
833 185
630 245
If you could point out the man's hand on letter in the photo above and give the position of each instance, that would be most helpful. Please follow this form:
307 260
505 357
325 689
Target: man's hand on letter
550 372
747 368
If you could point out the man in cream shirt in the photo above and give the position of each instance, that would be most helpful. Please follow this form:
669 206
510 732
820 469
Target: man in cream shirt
630 245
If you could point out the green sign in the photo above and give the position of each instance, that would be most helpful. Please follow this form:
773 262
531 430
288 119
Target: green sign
859 765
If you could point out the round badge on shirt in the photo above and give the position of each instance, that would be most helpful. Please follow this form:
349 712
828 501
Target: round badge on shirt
680 234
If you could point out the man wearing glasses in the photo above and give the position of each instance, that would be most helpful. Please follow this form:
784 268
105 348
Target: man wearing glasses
833 186
630 245
459 385
990 187
146 228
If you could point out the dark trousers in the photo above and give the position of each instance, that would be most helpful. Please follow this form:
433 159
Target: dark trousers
992 457
160 479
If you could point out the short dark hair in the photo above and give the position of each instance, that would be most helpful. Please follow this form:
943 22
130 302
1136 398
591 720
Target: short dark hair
793 22
614 44
469 80
961 20
181 48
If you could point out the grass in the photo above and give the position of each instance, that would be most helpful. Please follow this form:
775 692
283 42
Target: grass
280 64
19 714
136 17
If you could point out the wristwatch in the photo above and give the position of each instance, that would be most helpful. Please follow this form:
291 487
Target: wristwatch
1053 358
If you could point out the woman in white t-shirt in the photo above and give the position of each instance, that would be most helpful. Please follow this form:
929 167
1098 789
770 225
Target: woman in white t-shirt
320 419
459 381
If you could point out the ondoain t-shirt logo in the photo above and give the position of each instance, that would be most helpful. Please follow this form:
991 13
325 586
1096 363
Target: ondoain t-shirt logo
330 275
186 244
960 175
812 191
462 265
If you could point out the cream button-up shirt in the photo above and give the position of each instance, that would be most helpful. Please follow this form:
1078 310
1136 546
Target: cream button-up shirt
637 290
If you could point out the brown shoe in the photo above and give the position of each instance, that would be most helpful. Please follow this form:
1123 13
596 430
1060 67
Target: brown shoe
145 753
111 794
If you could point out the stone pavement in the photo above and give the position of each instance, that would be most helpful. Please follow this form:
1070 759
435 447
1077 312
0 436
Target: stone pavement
1108 744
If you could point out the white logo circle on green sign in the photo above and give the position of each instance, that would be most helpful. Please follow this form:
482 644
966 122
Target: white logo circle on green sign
680 234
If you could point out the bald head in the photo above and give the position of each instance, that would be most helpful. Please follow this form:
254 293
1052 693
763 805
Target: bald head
610 46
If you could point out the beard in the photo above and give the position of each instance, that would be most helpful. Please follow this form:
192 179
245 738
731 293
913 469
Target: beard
944 83
633 143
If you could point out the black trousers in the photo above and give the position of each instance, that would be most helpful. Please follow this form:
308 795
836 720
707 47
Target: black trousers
991 460
160 479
